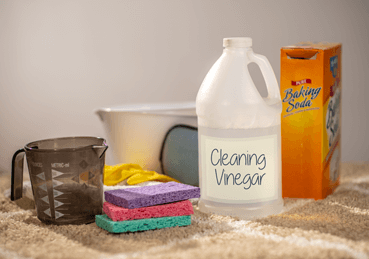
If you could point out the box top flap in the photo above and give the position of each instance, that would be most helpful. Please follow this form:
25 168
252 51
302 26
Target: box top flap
312 45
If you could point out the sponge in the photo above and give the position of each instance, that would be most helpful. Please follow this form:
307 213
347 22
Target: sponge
151 195
140 224
167 210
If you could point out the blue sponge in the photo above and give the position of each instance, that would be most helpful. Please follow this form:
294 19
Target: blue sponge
106 223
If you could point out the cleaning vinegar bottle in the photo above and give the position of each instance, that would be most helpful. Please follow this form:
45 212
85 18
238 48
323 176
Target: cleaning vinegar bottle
239 136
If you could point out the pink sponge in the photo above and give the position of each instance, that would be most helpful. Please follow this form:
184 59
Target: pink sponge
116 213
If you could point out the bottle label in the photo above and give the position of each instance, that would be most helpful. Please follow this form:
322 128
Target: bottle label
240 169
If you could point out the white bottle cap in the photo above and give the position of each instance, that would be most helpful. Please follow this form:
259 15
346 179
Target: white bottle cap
237 42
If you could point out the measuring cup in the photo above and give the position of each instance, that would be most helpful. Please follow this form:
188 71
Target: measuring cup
66 177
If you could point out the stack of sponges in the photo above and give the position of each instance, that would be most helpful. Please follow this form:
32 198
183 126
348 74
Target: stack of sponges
149 207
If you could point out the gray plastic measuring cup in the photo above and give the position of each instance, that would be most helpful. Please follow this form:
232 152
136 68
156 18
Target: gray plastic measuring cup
66 176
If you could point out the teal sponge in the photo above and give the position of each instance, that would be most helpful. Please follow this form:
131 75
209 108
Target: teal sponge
106 223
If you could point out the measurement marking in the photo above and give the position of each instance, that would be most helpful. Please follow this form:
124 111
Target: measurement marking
66 176
57 203
56 183
63 179
55 173
45 199
43 187
41 176
37 164
59 165
57 193
58 214
47 212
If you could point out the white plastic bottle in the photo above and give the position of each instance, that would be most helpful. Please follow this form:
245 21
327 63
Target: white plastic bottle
239 136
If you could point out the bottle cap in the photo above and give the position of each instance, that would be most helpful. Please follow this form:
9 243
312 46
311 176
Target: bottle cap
237 42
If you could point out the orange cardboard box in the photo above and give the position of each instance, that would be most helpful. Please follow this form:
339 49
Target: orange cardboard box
311 119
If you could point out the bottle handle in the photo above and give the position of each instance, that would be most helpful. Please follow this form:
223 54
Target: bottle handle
17 175
268 74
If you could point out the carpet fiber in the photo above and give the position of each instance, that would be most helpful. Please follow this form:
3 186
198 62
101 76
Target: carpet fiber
336 227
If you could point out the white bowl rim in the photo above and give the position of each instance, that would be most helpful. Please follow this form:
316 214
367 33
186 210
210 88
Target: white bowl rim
150 108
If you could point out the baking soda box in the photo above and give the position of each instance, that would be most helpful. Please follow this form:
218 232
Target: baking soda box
311 119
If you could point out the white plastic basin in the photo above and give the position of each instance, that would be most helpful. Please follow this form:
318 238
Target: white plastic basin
135 133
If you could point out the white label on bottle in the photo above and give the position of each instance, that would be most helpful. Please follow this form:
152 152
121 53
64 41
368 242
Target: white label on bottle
240 169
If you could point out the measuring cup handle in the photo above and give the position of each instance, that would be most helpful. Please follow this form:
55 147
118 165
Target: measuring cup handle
17 175
268 74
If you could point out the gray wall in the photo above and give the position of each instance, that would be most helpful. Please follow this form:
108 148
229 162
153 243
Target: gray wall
59 60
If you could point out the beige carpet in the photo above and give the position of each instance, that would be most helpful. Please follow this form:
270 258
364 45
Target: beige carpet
337 227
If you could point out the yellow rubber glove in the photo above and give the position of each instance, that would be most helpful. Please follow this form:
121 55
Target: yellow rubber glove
135 174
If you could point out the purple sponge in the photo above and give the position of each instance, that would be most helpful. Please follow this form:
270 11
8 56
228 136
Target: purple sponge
152 195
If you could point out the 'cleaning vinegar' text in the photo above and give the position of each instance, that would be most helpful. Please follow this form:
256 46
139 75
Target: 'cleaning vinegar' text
240 169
